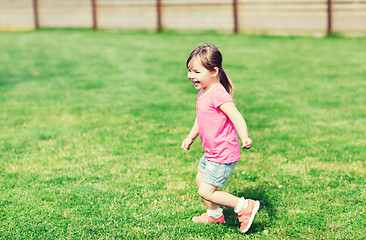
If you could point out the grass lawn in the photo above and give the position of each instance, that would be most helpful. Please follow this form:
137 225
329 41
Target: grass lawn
91 125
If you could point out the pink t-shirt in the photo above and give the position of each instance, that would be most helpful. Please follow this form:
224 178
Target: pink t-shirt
217 132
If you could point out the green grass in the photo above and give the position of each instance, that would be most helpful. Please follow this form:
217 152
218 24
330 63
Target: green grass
91 125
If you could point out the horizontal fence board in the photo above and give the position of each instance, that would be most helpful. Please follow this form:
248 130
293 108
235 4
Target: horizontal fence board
56 13
127 18
16 14
355 21
109 3
300 21
192 18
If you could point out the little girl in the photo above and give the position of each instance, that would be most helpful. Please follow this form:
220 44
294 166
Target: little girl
217 123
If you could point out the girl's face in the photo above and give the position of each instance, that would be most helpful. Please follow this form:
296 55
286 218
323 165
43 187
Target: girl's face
200 76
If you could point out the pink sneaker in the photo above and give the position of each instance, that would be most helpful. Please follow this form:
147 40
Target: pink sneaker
204 218
247 215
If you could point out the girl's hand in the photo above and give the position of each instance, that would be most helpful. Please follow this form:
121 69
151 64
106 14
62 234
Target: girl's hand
247 143
186 144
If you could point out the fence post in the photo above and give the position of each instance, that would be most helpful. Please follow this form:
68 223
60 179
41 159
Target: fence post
330 18
94 14
35 13
235 15
158 12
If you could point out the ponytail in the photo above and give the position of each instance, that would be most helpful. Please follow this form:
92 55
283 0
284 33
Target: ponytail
226 82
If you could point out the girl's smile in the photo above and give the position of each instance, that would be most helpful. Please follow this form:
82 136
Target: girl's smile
195 82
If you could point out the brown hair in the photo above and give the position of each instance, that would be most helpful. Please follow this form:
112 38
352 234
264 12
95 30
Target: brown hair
211 57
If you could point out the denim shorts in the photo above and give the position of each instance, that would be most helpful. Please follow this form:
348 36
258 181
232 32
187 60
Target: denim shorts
215 174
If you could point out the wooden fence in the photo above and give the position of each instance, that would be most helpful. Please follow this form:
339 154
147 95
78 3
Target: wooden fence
297 17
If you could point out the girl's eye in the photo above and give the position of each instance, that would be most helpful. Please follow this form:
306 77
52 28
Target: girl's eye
197 72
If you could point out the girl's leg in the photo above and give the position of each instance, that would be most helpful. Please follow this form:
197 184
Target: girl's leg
209 205
210 194
212 197
246 209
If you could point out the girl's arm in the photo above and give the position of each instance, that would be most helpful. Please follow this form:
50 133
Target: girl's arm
186 144
237 119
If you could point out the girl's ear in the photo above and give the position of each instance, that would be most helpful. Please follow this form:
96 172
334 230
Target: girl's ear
216 72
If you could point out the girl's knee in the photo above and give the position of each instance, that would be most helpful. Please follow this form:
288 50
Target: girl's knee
203 193
206 190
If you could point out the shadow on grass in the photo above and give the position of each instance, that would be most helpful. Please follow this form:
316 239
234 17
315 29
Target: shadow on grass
266 214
